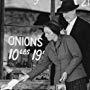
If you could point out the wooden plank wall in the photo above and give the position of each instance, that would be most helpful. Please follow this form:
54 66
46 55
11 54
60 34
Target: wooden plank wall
1 35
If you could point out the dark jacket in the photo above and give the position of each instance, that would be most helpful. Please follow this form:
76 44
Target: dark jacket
81 33
66 56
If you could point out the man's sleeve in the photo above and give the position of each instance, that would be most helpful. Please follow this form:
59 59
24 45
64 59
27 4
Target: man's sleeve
75 52
87 60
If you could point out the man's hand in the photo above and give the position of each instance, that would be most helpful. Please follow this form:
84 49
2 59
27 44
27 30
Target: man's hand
64 77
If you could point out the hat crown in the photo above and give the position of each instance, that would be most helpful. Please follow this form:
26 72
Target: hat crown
54 26
54 22
68 2
67 5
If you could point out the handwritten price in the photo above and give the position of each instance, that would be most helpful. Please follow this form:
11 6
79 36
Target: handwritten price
37 54
36 2
14 54
85 3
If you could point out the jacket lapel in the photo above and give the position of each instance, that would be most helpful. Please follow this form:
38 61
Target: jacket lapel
52 46
55 47
73 31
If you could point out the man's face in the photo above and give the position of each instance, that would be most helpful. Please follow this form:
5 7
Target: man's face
69 16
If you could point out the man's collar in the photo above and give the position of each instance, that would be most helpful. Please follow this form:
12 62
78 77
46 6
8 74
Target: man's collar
73 21
70 26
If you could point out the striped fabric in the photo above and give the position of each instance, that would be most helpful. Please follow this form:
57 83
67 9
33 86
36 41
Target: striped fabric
80 84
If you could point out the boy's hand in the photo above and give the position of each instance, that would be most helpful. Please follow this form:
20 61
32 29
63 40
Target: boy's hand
64 77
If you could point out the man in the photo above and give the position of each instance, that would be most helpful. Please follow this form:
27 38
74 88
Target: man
78 28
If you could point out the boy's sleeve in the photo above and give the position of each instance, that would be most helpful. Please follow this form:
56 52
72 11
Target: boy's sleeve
42 65
75 52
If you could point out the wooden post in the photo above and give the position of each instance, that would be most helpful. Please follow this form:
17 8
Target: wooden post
2 36
52 15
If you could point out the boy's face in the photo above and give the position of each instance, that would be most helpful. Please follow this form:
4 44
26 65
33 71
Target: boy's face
49 34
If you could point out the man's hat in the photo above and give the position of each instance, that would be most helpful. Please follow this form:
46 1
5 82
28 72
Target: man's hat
67 5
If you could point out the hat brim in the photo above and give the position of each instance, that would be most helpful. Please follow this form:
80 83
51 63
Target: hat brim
65 10
55 27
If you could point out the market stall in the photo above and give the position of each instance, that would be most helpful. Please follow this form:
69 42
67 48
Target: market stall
22 24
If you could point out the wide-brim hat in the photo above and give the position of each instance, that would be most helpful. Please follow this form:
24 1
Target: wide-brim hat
54 26
67 5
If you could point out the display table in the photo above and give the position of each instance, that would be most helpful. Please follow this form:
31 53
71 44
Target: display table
28 85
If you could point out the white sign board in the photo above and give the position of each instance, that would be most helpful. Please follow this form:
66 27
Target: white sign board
43 5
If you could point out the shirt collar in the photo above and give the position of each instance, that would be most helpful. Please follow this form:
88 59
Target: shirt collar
70 26
73 21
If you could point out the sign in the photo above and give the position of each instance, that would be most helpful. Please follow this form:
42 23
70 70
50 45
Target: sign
39 5
43 5
25 41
